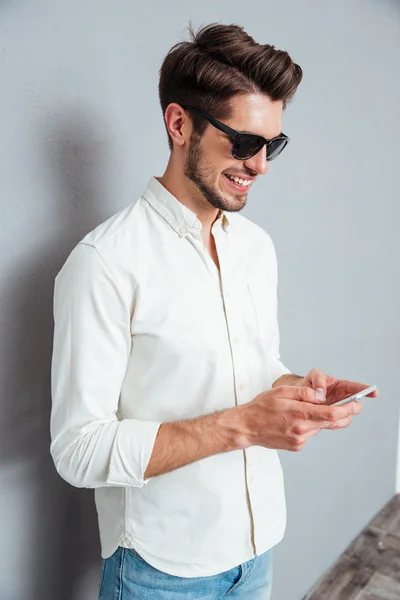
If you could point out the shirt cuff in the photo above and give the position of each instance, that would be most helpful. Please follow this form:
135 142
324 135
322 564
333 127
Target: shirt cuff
131 452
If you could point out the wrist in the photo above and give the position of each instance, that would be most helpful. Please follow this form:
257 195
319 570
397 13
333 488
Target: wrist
233 424
288 379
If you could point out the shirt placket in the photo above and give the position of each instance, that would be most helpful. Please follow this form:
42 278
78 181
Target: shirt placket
239 358
233 322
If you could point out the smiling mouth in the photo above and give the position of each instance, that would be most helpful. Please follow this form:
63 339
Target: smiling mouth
237 186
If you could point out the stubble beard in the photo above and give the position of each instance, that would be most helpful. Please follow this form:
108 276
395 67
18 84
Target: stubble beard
201 174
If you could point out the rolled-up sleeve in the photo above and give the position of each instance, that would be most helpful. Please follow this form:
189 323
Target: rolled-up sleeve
90 446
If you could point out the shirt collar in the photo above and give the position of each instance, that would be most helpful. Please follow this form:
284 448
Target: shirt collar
179 216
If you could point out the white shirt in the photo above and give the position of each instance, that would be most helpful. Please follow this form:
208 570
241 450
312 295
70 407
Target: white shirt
148 330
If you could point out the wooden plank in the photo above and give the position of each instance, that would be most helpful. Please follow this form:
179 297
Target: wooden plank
368 596
344 580
370 567
380 587
389 518
377 551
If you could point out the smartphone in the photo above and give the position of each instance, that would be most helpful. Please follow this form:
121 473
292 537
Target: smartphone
357 396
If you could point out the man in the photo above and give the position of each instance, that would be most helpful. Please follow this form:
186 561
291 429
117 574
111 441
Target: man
169 395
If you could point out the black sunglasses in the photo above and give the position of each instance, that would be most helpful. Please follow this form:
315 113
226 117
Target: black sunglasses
246 145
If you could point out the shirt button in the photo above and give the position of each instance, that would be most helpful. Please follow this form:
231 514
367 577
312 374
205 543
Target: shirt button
235 340
241 386
182 229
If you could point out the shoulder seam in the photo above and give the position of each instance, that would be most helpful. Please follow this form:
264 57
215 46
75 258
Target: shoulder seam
107 265
115 227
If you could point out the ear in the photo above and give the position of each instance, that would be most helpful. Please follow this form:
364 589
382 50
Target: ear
178 124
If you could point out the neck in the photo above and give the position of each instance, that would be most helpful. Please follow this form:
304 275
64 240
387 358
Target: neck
186 192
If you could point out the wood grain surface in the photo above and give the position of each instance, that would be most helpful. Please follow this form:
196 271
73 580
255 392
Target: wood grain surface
369 569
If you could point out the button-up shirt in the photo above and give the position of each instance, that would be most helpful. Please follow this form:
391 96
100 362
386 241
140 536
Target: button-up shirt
148 330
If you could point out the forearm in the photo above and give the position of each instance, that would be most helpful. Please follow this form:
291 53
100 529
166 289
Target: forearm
182 442
288 379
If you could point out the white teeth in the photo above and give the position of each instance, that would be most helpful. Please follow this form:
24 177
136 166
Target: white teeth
243 182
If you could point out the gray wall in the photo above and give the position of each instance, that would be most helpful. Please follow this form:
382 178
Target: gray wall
81 132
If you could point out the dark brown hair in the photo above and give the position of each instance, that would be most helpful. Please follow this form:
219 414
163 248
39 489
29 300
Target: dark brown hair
219 62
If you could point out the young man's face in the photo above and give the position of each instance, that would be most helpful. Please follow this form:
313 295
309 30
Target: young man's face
209 158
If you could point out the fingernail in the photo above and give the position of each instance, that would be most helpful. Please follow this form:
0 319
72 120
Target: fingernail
320 394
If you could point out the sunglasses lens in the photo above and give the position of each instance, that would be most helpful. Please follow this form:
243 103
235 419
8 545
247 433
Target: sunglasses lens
275 148
247 146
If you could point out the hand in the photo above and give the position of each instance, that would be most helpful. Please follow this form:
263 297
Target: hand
285 417
330 389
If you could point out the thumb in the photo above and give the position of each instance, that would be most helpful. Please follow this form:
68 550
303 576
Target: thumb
320 394
317 379
306 394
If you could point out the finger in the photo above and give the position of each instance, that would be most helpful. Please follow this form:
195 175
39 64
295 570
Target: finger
311 433
340 424
302 394
373 394
334 413
348 388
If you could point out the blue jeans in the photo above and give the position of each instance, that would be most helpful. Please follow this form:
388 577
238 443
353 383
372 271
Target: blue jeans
126 576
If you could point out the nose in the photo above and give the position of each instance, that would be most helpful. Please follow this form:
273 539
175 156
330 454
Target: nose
258 162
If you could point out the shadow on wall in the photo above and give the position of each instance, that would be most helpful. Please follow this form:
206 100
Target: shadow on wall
394 4
59 520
